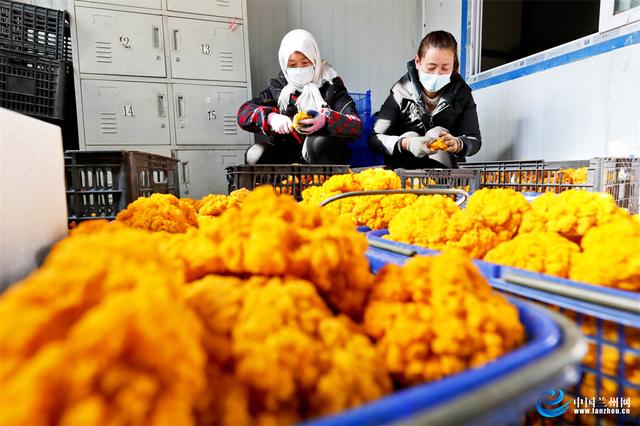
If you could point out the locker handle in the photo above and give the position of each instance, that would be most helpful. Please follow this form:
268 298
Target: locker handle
162 111
155 36
180 106
185 172
176 39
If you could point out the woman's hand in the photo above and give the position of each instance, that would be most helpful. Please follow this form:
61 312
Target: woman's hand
454 145
312 125
279 123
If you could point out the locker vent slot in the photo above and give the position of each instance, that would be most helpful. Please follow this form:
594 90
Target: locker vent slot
226 61
230 126
103 51
108 123
223 3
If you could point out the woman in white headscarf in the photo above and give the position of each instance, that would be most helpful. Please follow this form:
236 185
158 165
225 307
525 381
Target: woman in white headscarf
306 83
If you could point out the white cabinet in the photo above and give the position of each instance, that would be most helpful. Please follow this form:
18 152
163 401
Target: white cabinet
203 172
165 77
146 4
206 115
125 113
227 8
121 43
206 50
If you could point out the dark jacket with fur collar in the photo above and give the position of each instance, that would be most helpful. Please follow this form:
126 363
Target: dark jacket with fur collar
404 110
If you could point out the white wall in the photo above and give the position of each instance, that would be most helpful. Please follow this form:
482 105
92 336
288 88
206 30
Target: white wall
575 111
443 15
368 42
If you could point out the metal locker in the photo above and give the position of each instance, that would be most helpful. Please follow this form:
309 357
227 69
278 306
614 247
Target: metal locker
206 50
206 115
164 150
202 172
146 4
122 43
125 113
228 8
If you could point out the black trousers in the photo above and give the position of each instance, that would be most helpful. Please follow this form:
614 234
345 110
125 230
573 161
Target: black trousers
406 160
316 149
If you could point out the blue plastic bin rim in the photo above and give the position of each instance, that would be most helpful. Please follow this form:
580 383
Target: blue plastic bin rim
377 259
493 273
543 337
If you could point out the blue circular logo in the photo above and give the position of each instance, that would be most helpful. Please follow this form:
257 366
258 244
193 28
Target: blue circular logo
550 403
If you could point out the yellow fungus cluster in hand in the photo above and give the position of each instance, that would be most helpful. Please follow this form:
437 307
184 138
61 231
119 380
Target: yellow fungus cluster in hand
438 145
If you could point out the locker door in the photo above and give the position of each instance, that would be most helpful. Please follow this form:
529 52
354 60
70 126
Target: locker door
206 50
228 8
125 113
147 4
122 43
203 172
206 115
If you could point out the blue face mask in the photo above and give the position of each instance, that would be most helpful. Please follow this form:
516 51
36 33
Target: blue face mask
433 82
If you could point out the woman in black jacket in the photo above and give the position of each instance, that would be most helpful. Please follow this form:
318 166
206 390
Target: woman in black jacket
431 101
306 83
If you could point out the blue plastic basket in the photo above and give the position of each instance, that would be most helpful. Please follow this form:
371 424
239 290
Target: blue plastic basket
607 329
603 326
361 154
380 257
544 336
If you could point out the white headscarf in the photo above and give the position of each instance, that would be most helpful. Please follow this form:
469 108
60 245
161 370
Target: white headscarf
303 41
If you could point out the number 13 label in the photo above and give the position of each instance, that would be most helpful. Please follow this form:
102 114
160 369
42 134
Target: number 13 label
205 49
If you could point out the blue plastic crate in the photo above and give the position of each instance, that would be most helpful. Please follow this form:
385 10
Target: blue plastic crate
361 154
379 257
606 328
544 338
592 316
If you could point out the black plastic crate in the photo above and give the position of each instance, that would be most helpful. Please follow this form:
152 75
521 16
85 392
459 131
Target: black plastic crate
531 175
467 180
34 85
290 179
102 183
619 177
35 30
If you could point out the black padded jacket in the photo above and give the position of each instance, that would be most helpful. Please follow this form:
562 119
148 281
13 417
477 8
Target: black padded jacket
404 110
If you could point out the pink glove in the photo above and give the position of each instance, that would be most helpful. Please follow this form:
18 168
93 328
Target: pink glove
312 125
279 123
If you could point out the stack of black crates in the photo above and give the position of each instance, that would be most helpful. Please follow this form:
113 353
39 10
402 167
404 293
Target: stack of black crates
36 74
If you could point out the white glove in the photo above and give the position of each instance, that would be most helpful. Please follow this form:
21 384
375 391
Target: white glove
418 146
279 123
434 133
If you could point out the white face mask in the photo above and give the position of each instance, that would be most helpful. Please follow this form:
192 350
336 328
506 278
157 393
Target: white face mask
300 77
433 82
